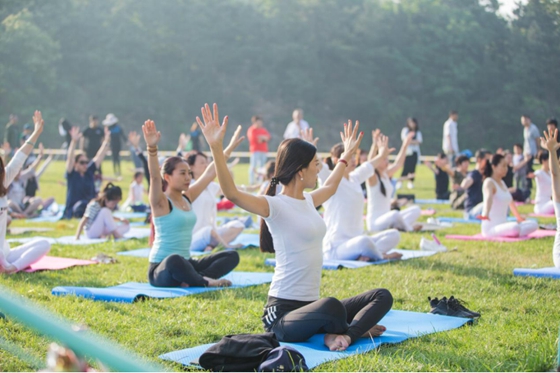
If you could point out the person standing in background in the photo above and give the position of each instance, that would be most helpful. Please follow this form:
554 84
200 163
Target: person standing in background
92 137
296 125
117 134
531 137
412 152
258 147
195 138
450 145
11 134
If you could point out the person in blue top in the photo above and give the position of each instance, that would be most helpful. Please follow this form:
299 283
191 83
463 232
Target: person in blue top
173 220
80 175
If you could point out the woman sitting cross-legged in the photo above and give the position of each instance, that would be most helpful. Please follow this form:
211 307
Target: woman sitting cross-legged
23 256
173 219
98 218
345 238
294 311
496 200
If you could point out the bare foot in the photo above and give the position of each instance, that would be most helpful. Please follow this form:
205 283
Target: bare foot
8 268
337 342
217 283
395 256
364 259
417 227
375 331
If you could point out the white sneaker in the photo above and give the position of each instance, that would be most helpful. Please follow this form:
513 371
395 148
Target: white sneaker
398 185
410 185
433 221
429 245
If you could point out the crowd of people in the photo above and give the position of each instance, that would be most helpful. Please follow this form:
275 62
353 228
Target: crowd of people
183 196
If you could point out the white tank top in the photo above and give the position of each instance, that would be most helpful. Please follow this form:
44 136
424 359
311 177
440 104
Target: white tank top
500 204
377 203
544 187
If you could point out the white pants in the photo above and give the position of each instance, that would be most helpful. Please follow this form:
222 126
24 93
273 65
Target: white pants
546 208
203 237
372 247
511 229
29 253
402 220
104 225
556 247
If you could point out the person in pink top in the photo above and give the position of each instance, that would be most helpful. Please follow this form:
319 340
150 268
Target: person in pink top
258 146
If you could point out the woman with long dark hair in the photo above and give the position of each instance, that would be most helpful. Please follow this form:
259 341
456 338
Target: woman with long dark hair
171 195
294 311
21 257
413 150
496 201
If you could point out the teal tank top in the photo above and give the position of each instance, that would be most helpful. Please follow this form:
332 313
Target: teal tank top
173 234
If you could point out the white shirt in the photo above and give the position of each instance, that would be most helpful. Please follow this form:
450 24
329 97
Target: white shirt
450 129
500 204
136 192
412 148
377 203
293 130
344 210
204 207
297 232
11 171
544 187
530 136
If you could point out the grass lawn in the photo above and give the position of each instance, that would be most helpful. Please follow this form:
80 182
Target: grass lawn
518 329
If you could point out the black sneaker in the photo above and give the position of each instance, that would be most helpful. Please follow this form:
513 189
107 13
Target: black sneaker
439 307
458 305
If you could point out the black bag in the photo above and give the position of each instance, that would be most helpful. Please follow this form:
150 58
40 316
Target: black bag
238 353
284 359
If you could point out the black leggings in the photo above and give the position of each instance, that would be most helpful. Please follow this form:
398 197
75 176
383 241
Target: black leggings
410 165
351 316
176 270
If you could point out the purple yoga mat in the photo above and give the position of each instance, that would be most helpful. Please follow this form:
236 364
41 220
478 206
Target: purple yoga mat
479 237
52 263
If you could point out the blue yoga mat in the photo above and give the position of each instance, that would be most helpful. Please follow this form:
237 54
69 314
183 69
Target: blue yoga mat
247 239
353 264
550 272
431 201
130 215
133 291
469 221
401 325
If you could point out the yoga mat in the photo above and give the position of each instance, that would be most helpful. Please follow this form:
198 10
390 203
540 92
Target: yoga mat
431 201
71 240
542 215
53 263
48 217
133 291
550 272
130 215
400 325
247 239
445 219
429 212
479 237
353 264
145 253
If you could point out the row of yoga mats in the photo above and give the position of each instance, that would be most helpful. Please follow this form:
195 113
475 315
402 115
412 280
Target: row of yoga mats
401 325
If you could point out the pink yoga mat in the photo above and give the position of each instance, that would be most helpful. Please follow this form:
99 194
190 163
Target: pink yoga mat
542 215
430 212
52 263
479 237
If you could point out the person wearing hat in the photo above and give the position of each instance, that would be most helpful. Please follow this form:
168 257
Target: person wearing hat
117 134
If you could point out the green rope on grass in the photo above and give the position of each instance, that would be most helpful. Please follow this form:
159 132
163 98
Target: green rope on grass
31 360
83 343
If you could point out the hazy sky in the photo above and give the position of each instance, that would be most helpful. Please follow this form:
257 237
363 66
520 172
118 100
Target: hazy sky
509 5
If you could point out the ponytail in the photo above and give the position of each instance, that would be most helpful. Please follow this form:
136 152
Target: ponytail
265 238
111 192
329 162
494 162
381 185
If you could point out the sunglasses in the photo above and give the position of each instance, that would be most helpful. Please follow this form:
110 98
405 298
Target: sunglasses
83 162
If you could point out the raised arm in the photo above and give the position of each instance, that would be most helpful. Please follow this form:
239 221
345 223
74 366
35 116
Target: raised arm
210 173
373 149
158 200
550 143
75 136
351 140
382 149
35 164
102 152
214 134
399 160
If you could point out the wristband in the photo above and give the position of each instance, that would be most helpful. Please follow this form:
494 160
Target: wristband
29 142
343 161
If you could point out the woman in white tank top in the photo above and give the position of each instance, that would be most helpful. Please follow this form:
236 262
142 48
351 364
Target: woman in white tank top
496 201
549 142
345 238
543 199
380 191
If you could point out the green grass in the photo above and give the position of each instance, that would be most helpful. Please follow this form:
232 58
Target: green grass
517 331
